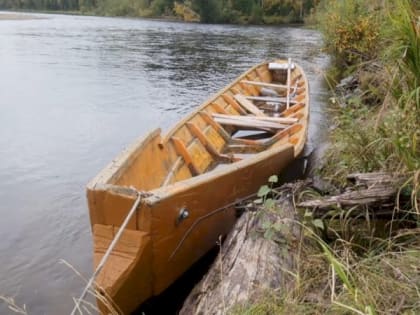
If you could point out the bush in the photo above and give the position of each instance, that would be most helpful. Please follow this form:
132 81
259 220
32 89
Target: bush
350 29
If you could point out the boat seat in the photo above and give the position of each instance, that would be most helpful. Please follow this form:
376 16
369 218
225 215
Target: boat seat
270 99
247 122
263 144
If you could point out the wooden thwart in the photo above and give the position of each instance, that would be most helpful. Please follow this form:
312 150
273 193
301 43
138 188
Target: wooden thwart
243 121
265 84
280 120
270 141
269 99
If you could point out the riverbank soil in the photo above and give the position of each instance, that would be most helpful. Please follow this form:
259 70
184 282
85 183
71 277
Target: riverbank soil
18 16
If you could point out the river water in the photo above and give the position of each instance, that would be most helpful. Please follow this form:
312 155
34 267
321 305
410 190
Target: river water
74 91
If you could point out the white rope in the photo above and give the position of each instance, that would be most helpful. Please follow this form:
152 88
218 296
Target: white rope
107 253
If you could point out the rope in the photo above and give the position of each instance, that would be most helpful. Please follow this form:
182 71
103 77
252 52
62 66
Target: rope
107 253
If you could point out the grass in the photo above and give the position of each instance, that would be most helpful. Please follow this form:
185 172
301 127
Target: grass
350 277
381 132
352 264
83 307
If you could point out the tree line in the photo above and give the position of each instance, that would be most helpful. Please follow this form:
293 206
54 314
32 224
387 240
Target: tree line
209 11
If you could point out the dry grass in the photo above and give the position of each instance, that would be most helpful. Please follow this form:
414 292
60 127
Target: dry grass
355 265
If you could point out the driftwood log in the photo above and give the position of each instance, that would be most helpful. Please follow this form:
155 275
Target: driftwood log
258 255
369 189
260 252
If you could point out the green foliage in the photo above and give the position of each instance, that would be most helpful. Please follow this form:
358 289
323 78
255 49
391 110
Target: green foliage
266 193
256 16
211 11
350 28
367 138
244 6
404 40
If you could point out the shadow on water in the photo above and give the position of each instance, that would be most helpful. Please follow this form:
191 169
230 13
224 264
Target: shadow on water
172 299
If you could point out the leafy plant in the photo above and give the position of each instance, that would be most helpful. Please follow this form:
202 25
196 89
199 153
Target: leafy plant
266 193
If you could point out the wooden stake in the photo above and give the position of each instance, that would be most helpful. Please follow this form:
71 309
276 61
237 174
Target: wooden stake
288 83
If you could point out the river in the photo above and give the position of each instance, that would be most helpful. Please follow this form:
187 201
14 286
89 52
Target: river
74 91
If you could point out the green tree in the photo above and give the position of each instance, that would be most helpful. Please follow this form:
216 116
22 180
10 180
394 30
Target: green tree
210 10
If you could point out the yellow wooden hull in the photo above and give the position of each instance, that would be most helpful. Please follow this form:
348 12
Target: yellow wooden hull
189 180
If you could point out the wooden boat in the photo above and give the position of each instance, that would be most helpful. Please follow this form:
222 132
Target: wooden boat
187 182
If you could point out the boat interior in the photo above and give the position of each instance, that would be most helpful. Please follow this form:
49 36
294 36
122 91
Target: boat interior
263 108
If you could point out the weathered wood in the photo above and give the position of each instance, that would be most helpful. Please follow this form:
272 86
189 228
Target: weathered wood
251 261
268 92
259 124
281 66
248 105
209 146
370 189
281 120
183 151
288 83
180 174
265 84
270 99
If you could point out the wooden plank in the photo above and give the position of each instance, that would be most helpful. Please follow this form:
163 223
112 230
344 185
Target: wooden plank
183 151
248 105
265 84
280 66
209 147
259 124
248 89
218 108
297 78
288 83
269 99
293 109
171 173
229 99
270 141
219 129
284 120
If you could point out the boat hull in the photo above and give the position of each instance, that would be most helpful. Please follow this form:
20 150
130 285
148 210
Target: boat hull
189 181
